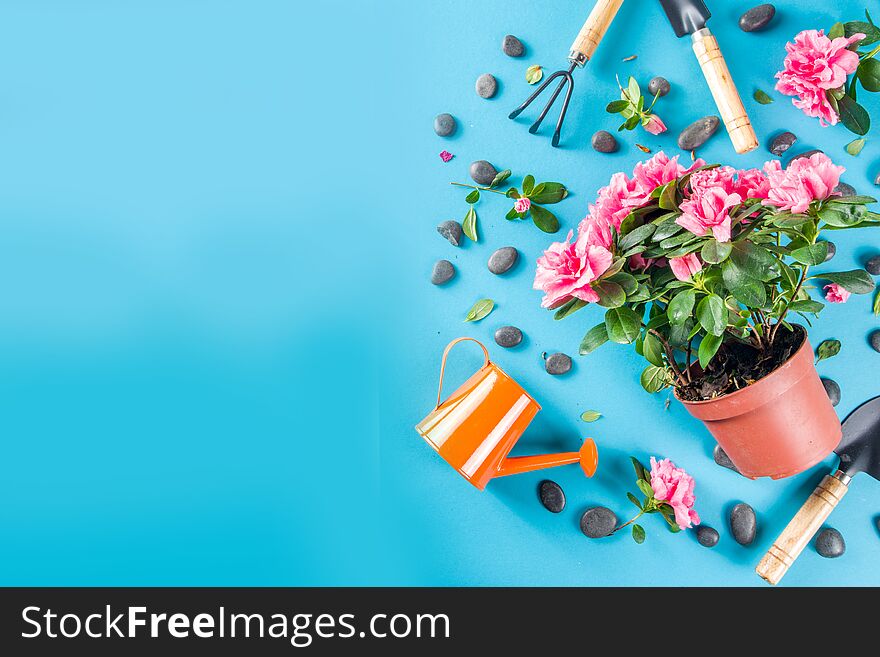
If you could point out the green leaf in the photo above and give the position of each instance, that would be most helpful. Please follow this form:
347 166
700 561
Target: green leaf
513 192
868 73
512 214
653 378
590 416
635 500
473 197
877 303
681 306
627 281
569 308
633 90
480 310
638 534
835 31
762 97
595 338
757 262
544 219
708 348
616 106
854 116
806 306
645 487
715 252
469 225
552 192
872 34
827 349
857 281
712 314
528 184
534 74
499 178
855 146
641 472
611 295
853 200
667 197
652 350
623 325
636 236
814 254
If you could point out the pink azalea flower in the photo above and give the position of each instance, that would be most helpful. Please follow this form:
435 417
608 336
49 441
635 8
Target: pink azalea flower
654 125
707 211
616 200
566 271
522 205
815 64
724 177
834 293
803 181
686 266
446 156
596 231
752 183
675 487
659 170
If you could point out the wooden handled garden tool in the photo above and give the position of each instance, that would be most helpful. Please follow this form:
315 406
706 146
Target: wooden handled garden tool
859 451
581 51
689 17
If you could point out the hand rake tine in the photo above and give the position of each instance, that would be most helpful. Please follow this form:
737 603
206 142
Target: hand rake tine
565 103
565 78
519 110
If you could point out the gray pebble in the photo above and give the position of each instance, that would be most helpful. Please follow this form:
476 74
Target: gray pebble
512 47
482 172
508 337
806 154
486 85
658 85
444 124
830 543
832 390
757 18
557 364
698 132
873 266
875 341
598 522
442 273
877 179
722 459
451 230
832 250
604 142
743 523
845 190
503 260
782 142
552 496
707 536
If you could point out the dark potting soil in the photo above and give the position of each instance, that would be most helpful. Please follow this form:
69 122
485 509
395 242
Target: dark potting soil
737 365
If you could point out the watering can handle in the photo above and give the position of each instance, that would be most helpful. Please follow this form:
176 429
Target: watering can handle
446 353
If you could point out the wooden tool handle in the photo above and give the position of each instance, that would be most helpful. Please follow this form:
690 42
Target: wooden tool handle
594 29
800 530
724 92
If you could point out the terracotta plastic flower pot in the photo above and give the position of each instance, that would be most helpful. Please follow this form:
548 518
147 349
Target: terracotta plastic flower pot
777 427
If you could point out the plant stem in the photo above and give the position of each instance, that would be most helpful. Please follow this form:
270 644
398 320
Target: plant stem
670 355
794 294
688 370
482 189
871 54
641 513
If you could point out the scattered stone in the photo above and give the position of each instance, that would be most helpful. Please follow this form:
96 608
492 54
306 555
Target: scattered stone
832 390
557 364
875 341
604 142
832 250
482 172
552 496
443 272
508 337
444 124
659 85
486 85
845 190
512 47
451 230
503 260
757 18
806 154
877 179
873 266
598 522
743 523
707 536
722 459
781 143
698 132
830 543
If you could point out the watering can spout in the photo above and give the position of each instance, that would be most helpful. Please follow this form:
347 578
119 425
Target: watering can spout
588 458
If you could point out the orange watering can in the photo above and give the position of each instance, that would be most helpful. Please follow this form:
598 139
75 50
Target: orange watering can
475 429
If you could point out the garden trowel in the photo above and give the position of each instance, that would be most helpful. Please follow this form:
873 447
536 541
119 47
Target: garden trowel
859 451
689 17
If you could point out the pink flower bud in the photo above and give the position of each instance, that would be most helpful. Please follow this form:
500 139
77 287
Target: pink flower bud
655 125
522 205
836 294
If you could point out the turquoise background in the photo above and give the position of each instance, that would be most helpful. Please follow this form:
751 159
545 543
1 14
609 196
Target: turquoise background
217 329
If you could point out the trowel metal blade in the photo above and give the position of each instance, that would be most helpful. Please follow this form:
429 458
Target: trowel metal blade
686 16
859 449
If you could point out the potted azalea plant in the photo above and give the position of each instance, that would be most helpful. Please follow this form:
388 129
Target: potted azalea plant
704 269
